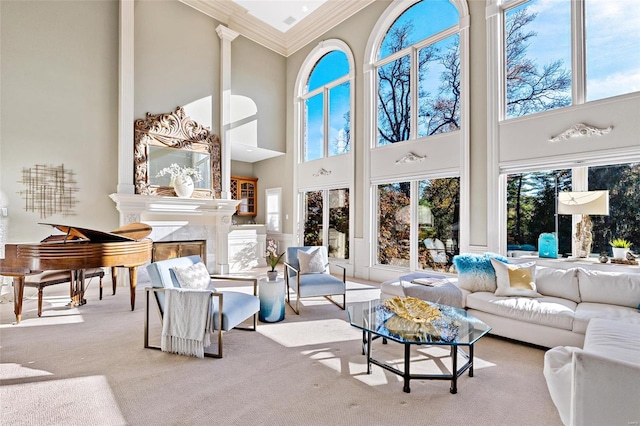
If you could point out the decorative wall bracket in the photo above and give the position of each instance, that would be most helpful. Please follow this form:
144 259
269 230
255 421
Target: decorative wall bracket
580 130
411 158
322 172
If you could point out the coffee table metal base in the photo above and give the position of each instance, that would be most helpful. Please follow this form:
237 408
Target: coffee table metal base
367 340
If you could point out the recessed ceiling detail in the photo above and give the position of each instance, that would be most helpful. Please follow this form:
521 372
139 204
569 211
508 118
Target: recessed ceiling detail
280 14
263 21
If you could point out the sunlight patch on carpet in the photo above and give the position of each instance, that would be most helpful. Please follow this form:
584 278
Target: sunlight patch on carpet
9 371
89 401
57 317
305 333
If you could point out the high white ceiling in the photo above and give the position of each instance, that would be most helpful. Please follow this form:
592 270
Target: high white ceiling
280 14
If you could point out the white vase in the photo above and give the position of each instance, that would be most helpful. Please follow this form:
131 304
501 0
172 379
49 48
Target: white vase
183 186
619 252
272 275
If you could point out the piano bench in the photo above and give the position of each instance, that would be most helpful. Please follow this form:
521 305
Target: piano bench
48 278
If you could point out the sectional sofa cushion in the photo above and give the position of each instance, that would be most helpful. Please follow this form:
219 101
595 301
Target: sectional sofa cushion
587 311
515 280
561 283
620 289
549 311
475 272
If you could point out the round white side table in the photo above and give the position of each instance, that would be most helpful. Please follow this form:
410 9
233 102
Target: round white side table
271 294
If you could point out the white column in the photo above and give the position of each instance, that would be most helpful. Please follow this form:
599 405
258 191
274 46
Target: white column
125 101
226 36
223 222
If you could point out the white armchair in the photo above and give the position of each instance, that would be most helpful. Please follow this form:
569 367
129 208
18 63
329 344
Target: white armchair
315 283
599 384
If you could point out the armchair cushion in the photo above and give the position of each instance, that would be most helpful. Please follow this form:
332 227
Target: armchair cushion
311 262
320 285
194 276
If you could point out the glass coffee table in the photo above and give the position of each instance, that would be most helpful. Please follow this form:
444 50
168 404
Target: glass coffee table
455 328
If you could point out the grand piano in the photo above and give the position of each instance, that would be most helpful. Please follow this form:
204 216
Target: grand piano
77 249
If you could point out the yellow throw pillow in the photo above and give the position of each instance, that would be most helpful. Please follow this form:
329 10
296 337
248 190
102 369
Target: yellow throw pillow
515 279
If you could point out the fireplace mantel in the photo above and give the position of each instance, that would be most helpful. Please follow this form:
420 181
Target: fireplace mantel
136 204
174 218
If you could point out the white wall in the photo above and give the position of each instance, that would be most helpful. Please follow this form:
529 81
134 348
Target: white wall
59 93
177 61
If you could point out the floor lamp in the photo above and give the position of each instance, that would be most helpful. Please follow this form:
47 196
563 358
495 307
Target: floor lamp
584 203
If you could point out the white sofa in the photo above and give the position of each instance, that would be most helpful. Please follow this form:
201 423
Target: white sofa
600 383
570 298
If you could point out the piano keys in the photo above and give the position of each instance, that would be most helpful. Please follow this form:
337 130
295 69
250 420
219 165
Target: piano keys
78 249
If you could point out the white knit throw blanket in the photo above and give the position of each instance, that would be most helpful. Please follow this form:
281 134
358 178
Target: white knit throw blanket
187 322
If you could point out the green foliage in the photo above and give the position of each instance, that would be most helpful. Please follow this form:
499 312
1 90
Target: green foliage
620 243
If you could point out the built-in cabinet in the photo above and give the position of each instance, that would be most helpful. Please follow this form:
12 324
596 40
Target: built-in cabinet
246 190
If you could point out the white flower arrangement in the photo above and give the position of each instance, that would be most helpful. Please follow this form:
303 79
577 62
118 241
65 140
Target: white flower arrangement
176 171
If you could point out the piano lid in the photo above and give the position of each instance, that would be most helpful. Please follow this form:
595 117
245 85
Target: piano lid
130 232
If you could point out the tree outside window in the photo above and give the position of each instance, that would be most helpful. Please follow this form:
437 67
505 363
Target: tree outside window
531 199
336 203
437 95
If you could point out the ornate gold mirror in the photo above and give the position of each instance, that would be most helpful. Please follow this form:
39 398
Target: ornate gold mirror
165 139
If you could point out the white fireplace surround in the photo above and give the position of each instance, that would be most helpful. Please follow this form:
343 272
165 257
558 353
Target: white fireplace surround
182 219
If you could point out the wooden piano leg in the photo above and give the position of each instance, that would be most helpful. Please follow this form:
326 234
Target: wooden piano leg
18 294
114 279
133 276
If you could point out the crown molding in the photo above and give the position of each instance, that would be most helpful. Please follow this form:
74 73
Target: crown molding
237 18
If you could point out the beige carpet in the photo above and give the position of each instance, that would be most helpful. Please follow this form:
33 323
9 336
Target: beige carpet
87 366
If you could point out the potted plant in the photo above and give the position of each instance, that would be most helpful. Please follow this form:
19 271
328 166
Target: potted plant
620 247
272 259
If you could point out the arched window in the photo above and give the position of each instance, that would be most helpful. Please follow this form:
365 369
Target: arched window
324 175
327 106
415 81
418 74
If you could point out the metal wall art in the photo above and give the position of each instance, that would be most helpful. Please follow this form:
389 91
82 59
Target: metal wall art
49 190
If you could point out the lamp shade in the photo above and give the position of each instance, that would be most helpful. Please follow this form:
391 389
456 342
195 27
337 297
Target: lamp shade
584 202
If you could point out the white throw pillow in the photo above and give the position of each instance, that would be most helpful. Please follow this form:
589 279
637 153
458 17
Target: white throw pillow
194 276
561 283
515 280
312 262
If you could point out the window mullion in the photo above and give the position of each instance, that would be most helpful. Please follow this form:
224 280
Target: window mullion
578 53
325 123
325 218
413 226
413 91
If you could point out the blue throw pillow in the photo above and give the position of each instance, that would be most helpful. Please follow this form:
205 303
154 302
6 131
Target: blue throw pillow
475 272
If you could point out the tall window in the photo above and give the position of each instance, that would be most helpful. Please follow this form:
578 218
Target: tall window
273 197
540 75
418 74
531 199
420 215
326 218
327 107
